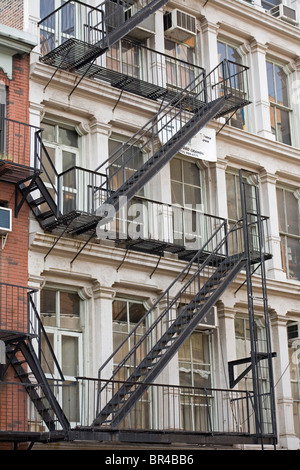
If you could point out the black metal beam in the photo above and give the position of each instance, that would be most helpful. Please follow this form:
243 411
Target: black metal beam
231 364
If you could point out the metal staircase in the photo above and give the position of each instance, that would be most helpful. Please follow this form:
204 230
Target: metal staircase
27 348
208 96
155 339
205 282
101 27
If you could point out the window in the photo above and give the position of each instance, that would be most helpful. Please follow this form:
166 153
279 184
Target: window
60 314
226 51
279 103
62 145
289 228
234 209
195 374
294 362
124 57
268 4
188 192
180 74
126 314
55 31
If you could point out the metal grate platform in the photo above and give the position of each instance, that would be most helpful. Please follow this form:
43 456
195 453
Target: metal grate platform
11 172
72 54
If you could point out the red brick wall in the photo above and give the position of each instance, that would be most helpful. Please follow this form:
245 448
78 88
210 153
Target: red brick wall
11 13
14 256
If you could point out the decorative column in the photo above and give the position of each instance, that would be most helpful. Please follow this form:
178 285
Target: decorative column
226 348
269 209
101 334
218 188
282 380
209 45
259 93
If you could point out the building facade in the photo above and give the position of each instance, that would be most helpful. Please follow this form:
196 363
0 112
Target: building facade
93 289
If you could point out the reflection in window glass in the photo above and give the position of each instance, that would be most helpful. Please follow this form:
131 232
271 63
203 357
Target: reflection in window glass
278 97
226 51
289 226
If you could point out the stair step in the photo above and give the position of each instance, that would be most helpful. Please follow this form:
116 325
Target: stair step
37 202
45 215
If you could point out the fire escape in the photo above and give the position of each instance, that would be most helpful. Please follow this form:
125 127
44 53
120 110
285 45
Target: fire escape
209 270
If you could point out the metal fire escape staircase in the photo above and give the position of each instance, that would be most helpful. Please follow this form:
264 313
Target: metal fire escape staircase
102 26
208 96
155 339
26 352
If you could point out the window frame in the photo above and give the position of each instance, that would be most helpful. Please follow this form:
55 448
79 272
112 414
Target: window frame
277 106
59 149
177 67
286 236
239 116
191 399
58 333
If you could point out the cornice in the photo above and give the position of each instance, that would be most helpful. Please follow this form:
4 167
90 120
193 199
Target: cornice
254 15
253 141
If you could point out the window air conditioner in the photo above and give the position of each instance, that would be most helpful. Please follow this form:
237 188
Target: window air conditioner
145 29
284 13
179 25
5 220
210 318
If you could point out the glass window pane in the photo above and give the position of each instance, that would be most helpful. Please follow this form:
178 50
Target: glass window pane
68 19
48 301
68 137
293 254
69 162
281 86
192 195
281 210
136 312
70 401
191 173
177 193
47 359
292 213
70 355
221 51
271 87
176 173
119 311
69 304
48 132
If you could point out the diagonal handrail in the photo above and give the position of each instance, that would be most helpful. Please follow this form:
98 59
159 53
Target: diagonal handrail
195 268
203 91
167 293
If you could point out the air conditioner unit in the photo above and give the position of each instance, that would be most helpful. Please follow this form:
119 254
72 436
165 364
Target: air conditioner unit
284 13
145 29
179 25
5 220
210 318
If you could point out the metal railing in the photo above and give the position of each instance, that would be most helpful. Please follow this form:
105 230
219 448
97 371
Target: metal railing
165 407
19 314
172 119
146 219
92 25
162 408
17 142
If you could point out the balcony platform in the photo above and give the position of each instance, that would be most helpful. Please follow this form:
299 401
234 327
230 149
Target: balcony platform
71 55
11 172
